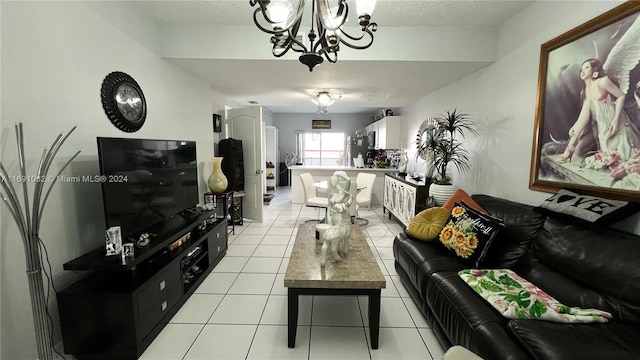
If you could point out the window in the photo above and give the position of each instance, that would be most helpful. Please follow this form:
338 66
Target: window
320 148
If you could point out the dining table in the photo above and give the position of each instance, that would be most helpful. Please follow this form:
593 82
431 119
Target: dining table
354 189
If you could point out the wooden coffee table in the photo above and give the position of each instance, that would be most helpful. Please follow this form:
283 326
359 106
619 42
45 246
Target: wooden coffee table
357 274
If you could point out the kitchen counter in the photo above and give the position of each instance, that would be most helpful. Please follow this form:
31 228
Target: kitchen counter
336 168
320 172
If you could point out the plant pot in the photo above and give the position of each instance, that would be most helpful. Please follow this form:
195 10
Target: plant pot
217 181
441 193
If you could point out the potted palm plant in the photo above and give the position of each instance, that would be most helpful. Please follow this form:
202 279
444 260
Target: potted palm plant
438 142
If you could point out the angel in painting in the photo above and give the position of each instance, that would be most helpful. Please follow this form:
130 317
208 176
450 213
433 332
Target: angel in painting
603 119
602 104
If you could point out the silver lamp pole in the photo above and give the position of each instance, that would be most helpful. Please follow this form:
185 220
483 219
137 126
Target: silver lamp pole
27 219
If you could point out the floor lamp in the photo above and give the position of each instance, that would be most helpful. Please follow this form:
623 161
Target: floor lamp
29 227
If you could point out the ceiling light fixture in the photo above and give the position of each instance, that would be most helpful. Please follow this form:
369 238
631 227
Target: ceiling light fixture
324 99
326 34
322 110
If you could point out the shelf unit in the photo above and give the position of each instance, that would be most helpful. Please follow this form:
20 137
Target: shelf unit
271 184
228 205
122 304
271 157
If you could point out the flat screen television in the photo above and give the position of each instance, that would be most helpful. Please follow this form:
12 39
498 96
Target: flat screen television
146 181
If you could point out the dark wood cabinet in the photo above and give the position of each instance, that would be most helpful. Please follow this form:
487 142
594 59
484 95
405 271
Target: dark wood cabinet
119 308
404 196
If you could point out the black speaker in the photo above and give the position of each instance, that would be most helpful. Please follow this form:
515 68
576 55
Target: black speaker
284 175
232 164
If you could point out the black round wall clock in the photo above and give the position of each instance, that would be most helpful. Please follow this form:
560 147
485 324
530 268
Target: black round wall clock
123 101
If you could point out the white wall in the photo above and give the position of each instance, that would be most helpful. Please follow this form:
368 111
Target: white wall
54 58
502 99
288 124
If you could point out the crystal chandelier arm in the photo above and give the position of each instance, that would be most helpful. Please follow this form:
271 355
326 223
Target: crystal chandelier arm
289 42
295 41
280 50
331 57
266 18
367 30
329 52
324 46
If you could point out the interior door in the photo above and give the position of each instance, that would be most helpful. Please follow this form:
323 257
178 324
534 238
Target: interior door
246 125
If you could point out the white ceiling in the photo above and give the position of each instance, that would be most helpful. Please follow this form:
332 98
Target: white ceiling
286 85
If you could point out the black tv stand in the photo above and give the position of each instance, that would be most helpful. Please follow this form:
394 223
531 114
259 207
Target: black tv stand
190 212
119 308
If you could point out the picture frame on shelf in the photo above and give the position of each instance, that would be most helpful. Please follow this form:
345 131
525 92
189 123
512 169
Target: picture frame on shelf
113 243
570 150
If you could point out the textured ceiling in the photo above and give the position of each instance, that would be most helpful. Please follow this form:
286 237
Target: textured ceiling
387 12
286 86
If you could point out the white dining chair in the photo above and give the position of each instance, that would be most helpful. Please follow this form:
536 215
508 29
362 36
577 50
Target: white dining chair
365 183
310 197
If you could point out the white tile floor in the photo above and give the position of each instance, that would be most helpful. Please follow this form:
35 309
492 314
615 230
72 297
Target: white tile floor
240 310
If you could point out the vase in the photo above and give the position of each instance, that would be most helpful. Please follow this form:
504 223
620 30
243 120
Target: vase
441 193
217 181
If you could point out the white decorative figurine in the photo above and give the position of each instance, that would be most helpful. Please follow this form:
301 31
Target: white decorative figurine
339 217
404 161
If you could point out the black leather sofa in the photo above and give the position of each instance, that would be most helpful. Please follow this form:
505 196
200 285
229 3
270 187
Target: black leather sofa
577 264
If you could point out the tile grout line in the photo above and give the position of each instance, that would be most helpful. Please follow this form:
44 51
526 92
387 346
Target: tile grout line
260 319
364 328
194 340
209 318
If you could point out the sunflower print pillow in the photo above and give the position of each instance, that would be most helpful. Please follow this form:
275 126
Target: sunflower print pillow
469 233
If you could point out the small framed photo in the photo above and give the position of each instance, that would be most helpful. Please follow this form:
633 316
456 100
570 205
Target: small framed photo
217 123
113 243
127 249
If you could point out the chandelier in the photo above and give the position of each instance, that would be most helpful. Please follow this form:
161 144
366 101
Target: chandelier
327 33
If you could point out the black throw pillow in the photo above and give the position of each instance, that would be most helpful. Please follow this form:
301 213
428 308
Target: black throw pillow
469 233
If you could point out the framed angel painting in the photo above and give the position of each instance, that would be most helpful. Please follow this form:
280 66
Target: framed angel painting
587 128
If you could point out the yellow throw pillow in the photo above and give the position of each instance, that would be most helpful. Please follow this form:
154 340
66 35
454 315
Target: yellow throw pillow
428 223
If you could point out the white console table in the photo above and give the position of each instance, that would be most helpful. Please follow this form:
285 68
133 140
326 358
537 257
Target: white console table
404 197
